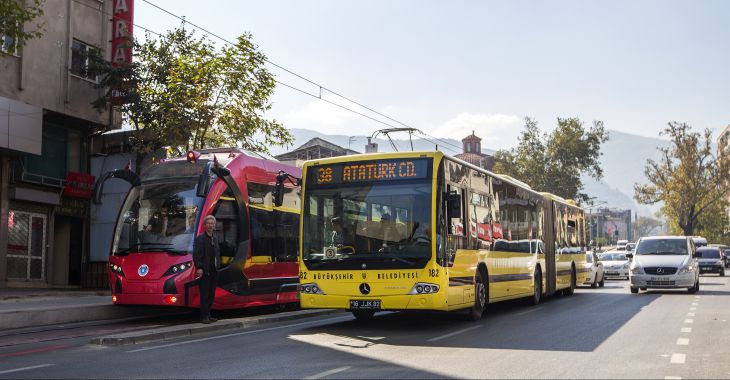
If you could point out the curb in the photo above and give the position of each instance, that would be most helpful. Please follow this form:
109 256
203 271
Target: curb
14 319
190 329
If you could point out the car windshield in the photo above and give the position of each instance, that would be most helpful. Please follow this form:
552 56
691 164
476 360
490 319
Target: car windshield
708 253
158 217
382 222
589 257
613 256
662 247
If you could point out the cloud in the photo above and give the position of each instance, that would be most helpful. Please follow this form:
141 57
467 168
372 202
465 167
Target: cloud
498 131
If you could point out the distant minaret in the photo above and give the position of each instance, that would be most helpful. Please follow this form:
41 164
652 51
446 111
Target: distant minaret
472 143
371 147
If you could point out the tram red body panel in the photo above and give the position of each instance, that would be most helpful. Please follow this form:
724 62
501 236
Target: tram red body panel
147 278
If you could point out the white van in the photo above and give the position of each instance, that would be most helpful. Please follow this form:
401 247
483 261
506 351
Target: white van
664 262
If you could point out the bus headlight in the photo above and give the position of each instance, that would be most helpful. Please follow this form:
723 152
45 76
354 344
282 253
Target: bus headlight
310 288
424 288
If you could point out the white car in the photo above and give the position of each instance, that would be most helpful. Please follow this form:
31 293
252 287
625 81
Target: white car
594 267
615 264
664 262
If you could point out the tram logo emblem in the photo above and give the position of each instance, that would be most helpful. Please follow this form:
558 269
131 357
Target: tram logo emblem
364 288
143 270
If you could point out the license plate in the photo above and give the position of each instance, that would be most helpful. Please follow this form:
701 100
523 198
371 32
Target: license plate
705 268
655 278
611 273
365 304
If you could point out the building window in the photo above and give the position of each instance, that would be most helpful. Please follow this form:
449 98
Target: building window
9 45
80 52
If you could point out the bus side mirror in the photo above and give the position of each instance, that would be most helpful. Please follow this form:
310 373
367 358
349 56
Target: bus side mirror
630 255
453 202
278 193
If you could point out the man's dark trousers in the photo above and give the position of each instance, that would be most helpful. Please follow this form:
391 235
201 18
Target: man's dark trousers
208 283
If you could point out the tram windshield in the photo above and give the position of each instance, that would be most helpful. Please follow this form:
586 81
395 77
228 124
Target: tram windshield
158 217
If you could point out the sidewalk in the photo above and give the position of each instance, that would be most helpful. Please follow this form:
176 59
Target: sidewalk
40 307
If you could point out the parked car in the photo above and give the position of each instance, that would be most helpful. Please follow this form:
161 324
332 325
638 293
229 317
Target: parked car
711 260
615 264
594 266
664 262
726 253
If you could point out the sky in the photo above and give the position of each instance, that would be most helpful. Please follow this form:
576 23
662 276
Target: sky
452 67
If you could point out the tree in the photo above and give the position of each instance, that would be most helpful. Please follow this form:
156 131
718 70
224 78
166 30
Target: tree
555 162
183 93
15 15
688 178
645 226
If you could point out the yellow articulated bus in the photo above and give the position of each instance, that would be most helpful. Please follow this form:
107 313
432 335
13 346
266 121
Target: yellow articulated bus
424 231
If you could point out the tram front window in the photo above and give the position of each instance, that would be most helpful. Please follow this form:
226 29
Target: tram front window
385 225
158 217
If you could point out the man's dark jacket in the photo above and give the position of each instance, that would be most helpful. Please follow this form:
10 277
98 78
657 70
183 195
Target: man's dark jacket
206 260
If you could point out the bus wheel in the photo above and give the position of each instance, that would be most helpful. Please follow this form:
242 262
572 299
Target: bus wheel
363 315
480 298
569 291
536 288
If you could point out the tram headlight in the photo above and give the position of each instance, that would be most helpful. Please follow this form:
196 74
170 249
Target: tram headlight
116 269
424 288
177 268
310 288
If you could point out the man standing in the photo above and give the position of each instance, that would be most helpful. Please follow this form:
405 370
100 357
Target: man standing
207 257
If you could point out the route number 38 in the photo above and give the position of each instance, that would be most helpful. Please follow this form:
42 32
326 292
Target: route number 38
325 175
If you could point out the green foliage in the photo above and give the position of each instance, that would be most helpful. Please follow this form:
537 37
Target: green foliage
554 162
646 226
15 14
688 179
183 93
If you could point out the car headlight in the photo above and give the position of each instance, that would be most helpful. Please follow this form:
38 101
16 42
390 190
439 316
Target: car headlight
689 268
310 288
424 288
625 266
636 269
177 268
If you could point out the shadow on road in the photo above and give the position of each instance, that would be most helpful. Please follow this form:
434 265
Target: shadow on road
578 323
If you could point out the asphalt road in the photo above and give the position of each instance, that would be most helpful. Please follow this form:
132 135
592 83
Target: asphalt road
597 333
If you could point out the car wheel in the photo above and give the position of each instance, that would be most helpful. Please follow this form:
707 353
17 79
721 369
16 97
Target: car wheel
634 290
480 298
602 283
536 288
571 290
695 288
722 273
363 315
594 284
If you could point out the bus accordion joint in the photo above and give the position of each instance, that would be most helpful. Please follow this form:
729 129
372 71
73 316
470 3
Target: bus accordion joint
278 192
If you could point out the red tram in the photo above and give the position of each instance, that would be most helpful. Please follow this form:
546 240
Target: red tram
151 261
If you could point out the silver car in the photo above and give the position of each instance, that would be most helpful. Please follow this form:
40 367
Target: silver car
664 262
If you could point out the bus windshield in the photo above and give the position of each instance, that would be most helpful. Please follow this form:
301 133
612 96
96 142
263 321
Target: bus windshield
378 224
158 217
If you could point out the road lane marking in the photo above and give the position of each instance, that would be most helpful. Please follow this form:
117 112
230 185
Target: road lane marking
689 321
678 358
34 351
690 314
449 335
694 303
327 373
529 311
25 368
343 318
693 308
683 341
672 378
686 329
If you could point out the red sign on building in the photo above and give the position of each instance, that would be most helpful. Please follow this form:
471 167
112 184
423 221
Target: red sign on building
122 36
78 185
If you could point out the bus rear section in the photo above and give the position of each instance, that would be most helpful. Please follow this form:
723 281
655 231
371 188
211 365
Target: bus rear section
151 254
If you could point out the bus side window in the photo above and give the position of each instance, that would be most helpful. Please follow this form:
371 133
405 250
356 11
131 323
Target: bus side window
457 224
287 229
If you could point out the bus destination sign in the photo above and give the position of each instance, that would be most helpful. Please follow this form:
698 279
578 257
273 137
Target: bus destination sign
370 171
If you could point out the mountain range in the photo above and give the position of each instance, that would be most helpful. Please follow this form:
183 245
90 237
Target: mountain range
623 159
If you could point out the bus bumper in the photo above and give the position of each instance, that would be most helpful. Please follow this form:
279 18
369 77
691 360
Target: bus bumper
390 302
